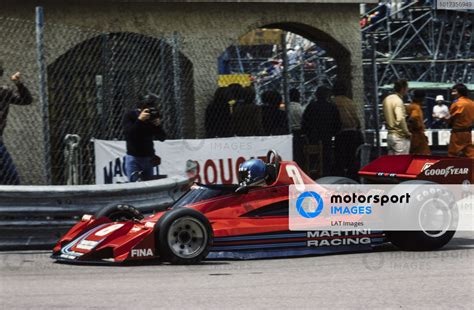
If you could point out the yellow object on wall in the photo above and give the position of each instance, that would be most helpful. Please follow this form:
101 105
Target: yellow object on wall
228 79
261 36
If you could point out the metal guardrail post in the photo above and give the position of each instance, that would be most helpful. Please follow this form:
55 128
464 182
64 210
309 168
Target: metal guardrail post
284 79
177 83
376 95
302 80
43 90
73 159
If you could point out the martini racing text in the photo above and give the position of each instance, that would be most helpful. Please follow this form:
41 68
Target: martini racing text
338 238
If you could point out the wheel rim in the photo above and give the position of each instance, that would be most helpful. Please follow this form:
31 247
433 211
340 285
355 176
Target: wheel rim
187 237
440 217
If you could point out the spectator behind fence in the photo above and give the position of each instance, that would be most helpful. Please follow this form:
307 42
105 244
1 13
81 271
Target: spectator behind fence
8 95
236 93
462 119
247 117
218 117
440 113
295 110
398 138
321 122
141 126
295 116
416 125
373 19
350 137
274 119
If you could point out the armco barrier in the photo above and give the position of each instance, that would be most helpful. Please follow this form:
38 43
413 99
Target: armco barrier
36 216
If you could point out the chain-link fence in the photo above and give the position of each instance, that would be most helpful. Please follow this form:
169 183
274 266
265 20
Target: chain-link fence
93 79
270 83
23 135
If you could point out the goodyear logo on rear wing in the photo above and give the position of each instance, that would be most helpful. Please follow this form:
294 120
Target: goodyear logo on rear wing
450 170
426 166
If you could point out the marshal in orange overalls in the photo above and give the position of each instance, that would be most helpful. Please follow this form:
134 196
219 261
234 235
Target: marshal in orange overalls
418 142
462 117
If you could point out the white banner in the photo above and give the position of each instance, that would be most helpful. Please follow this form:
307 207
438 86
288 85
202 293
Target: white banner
217 160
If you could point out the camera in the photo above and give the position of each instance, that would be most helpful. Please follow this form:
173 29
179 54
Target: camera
154 114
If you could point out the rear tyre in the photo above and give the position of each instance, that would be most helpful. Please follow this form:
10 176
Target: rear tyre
426 240
184 236
418 240
120 213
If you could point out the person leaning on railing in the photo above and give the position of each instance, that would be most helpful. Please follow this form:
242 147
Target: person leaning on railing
440 113
19 95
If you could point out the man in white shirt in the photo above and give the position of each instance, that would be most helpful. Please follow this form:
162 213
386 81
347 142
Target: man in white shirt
440 113
398 138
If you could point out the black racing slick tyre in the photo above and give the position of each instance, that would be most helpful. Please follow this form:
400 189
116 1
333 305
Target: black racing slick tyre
184 236
119 213
423 239
335 180
418 240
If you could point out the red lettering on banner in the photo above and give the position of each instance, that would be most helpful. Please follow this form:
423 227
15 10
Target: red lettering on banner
223 171
198 173
210 164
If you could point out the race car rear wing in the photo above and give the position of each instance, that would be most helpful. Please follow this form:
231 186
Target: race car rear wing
399 168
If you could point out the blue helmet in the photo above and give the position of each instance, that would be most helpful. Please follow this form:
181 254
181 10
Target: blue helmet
252 172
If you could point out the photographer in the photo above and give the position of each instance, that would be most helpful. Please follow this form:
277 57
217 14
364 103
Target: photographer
141 126
18 95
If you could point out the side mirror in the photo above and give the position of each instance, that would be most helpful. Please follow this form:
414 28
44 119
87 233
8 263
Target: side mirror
242 190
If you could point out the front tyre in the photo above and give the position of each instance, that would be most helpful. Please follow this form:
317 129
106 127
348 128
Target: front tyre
184 236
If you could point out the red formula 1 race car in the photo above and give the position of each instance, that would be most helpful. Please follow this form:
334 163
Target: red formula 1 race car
438 169
217 221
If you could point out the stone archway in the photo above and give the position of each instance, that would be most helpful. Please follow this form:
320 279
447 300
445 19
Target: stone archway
97 81
342 44
333 47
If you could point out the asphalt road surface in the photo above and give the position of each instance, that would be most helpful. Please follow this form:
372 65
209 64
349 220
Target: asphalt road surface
385 278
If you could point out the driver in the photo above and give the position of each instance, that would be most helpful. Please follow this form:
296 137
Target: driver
253 172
